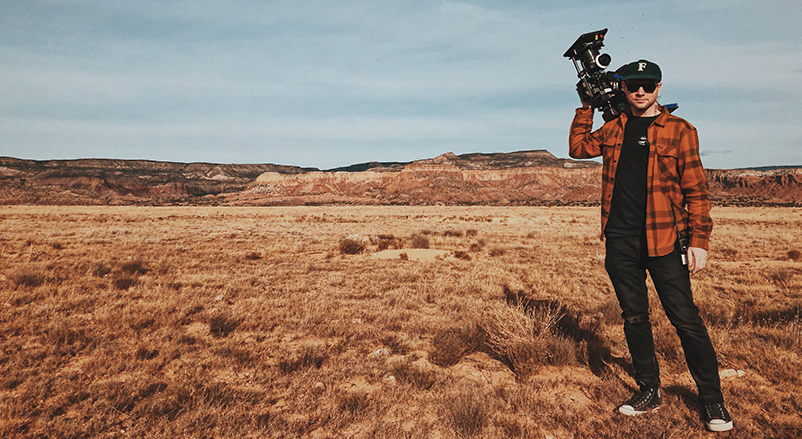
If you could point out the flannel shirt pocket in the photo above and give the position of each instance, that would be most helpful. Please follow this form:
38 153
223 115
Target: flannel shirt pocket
667 157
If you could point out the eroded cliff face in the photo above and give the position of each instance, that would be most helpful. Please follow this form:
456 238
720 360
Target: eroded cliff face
781 186
428 183
112 182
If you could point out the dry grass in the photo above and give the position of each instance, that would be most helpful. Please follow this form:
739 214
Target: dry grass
265 322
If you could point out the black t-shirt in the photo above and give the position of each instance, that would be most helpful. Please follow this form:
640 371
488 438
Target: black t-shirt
628 206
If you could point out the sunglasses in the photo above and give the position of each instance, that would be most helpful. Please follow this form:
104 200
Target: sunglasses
634 86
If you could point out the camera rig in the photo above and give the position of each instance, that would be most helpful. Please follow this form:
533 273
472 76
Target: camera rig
596 86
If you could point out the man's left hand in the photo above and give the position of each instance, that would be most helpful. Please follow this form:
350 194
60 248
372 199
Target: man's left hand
697 259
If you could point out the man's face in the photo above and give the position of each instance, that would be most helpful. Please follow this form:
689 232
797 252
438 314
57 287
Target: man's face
639 98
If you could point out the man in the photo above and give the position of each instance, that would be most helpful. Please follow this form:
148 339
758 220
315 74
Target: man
653 190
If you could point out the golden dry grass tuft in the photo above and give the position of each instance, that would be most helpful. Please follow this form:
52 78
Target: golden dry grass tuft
265 322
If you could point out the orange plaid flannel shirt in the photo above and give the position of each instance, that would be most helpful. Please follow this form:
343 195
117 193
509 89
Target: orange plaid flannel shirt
675 177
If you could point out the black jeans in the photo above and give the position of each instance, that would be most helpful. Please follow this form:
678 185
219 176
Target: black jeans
627 262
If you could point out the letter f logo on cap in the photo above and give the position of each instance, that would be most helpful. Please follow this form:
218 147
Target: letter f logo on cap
641 66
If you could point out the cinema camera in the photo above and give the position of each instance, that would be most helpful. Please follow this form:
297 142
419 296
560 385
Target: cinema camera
601 89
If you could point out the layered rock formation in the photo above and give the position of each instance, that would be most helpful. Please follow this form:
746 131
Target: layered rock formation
102 181
447 179
519 178
756 187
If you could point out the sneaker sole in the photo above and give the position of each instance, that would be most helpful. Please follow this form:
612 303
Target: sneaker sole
726 426
632 412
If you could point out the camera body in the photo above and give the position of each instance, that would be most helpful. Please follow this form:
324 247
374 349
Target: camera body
600 88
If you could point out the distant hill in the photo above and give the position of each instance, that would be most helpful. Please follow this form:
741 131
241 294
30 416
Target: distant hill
521 178
109 181
481 161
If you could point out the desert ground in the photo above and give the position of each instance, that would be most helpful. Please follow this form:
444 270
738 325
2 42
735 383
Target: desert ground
372 322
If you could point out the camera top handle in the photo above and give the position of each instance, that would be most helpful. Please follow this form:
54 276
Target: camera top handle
586 51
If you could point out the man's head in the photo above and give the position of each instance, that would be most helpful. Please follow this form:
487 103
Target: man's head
642 86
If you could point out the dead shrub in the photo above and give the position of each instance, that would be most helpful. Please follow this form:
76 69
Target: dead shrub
222 323
784 335
125 281
236 353
349 246
471 232
398 343
794 255
99 269
144 353
468 410
117 394
611 312
385 242
459 254
526 338
730 254
415 374
452 233
138 322
28 277
781 276
353 402
69 338
419 240
560 351
168 400
496 251
449 345
134 266
310 354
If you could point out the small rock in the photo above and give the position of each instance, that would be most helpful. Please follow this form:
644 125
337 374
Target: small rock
319 387
728 373
383 352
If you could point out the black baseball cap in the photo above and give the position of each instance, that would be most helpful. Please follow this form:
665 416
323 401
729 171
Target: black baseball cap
642 69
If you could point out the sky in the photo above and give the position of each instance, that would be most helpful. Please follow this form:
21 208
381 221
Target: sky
332 83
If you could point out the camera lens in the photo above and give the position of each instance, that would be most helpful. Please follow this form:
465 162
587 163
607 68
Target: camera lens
603 60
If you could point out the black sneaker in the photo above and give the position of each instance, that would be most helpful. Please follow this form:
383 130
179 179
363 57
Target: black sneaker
716 417
642 402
